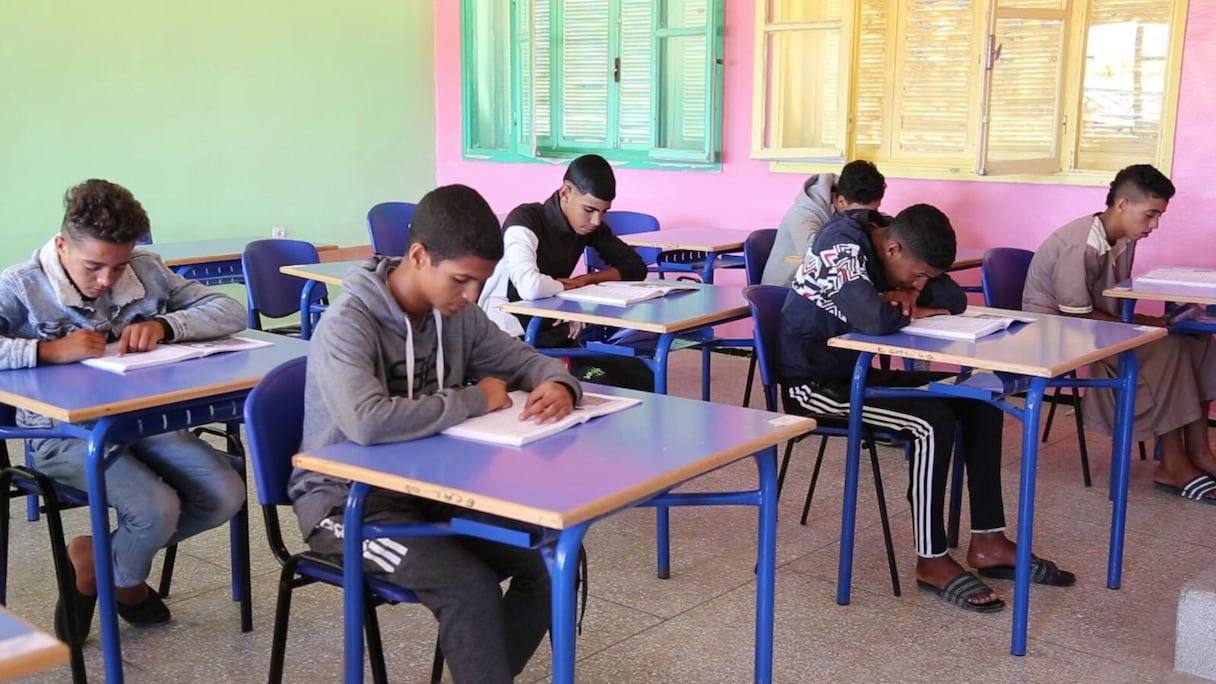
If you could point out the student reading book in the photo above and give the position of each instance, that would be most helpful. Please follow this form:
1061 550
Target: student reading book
88 285
622 294
509 427
392 360
165 354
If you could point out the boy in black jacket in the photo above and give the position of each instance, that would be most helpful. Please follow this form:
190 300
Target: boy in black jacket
867 276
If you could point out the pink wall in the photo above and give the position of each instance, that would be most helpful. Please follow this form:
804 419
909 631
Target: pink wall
746 195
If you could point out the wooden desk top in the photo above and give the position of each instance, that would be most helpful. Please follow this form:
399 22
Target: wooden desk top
964 258
706 305
330 273
1182 294
189 252
76 393
25 650
1048 347
696 239
588 471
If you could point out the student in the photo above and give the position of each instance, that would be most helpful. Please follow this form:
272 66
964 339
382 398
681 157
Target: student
400 355
85 287
1177 377
859 186
544 242
861 276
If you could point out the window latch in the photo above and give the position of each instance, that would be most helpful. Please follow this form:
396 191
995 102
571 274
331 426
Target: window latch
994 51
616 69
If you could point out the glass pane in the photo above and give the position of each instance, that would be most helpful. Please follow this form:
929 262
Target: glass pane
1022 108
683 94
586 71
801 106
634 116
1126 54
683 13
489 87
783 11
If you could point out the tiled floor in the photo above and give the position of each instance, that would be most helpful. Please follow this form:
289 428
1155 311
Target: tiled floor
698 625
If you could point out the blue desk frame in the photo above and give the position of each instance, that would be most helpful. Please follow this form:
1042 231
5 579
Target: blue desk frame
1034 387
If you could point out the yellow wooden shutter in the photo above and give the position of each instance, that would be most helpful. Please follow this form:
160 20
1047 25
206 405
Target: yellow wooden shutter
872 78
1124 83
1020 130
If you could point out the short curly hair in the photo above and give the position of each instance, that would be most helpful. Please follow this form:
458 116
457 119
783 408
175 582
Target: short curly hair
101 210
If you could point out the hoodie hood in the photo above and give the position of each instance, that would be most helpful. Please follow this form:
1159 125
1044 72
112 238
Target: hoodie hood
816 196
367 282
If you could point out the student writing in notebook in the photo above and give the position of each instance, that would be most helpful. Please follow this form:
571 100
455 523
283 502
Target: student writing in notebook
862 276
402 355
1177 378
86 286
544 242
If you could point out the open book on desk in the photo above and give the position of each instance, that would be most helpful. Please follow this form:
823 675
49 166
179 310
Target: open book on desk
622 293
505 427
165 354
964 326
1178 275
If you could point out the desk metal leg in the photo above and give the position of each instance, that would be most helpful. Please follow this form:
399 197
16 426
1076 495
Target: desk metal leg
766 563
1128 310
1030 457
352 580
662 515
848 514
305 315
99 518
562 559
707 268
1121 464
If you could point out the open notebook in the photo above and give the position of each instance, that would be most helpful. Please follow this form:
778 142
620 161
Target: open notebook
1178 275
505 427
165 354
964 326
622 293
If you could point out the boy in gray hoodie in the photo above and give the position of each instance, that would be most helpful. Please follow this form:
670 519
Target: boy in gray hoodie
859 186
87 286
402 355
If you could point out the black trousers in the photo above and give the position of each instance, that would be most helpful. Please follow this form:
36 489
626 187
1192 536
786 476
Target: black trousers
929 423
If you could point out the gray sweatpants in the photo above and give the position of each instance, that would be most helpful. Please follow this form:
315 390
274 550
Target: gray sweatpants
486 636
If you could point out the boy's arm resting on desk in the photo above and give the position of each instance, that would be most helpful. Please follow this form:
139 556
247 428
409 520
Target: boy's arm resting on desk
15 352
519 251
495 353
617 254
197 312
943 293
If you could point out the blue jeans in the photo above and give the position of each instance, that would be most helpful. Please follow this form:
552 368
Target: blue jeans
165 488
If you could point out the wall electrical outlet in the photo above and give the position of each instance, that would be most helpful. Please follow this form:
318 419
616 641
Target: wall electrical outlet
278 232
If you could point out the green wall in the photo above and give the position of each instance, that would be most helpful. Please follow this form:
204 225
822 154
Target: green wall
224 117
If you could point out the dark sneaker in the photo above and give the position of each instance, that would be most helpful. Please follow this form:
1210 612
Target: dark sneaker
150 612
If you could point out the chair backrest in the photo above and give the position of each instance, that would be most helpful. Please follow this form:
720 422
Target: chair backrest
756 248
624 223
765 303
270 292
274 425
388 226
145 240
1003 276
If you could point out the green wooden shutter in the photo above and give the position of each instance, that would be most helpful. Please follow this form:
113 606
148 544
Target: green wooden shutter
582 73
634 118
486 77
686 89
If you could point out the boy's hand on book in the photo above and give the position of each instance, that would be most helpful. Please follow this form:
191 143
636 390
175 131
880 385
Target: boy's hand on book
76 345
926 311
495 390
140 337
905 299
548 402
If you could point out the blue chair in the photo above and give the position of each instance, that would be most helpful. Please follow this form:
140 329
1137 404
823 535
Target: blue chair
765 303
274 419
388 226
626 223
756 249
273 294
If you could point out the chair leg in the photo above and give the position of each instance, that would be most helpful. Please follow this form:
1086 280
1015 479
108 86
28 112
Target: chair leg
1051 412
166 571
810 491
67 593
886 521
785 464
437 664
751 378
1082 447
375 649
282 613
1143 453
6 492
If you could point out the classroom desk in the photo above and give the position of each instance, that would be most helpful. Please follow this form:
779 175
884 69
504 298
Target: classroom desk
1034 356
1130 293
713 241
669 317
215 261
25 650
106 408
564 483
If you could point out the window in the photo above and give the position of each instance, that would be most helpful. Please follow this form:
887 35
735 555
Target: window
638 81
1040 90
